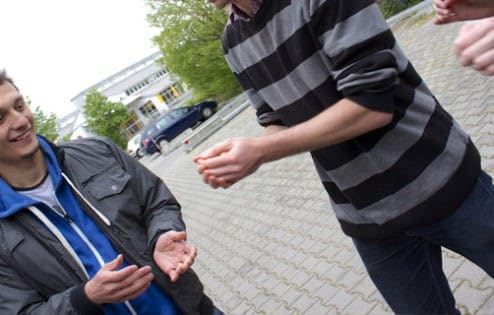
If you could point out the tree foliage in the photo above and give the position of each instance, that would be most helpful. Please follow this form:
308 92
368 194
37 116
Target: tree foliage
65 138
104 118
46 124
190 41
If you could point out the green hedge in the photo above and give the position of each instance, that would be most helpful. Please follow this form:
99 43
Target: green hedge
392 7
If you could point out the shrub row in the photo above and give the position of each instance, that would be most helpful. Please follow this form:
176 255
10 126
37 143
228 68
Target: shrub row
392 7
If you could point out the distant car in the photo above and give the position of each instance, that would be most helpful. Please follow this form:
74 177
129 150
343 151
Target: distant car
134 147
168 126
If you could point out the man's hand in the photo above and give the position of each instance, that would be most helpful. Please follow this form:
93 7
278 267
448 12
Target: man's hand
111 285
172 255
228 162
475 46
448 11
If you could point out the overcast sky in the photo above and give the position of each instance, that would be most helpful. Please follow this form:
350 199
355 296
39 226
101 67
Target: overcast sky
55 49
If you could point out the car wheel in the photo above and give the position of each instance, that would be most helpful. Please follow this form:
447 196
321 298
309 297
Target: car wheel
207 112
139 153
163 145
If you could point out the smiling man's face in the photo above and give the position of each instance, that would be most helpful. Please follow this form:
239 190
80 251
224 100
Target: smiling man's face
17 132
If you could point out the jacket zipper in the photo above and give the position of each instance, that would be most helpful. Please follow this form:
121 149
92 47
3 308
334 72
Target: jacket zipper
43 218
83 236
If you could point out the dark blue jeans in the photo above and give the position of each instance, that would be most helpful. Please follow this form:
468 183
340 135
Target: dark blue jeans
407 269
216 311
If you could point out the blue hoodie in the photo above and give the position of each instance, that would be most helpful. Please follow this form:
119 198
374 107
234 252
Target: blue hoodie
11 202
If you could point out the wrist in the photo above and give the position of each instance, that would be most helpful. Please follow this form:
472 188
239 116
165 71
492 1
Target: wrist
271 147
86 290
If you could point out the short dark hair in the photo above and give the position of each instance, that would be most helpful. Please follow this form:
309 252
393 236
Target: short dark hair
5 78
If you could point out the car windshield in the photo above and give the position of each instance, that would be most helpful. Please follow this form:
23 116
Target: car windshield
137 139
164 121
179 112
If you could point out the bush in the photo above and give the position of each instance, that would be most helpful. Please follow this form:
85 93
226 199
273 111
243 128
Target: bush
392 7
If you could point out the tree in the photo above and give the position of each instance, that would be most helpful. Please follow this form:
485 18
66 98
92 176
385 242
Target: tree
190 41
46 125
65 138
104 118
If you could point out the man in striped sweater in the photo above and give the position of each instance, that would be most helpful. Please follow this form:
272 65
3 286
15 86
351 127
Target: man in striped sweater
327 76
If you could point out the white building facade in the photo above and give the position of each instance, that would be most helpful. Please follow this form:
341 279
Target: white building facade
146 88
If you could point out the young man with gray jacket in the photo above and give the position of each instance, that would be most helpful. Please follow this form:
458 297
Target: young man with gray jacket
85 229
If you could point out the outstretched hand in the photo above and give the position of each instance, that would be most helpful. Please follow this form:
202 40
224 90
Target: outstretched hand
172 255
448 11
474 46
111 285
228 162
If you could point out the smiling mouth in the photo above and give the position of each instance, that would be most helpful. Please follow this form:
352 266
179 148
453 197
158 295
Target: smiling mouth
23 136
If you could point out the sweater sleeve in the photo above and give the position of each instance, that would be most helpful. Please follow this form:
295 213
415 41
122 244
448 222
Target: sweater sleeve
361 48
266 116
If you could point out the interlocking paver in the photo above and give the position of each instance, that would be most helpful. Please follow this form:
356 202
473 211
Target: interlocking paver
303 303
242 308
319 309
298 276
270 306
470 297
349 279
488 307
290 297
246 289
366 289
358 306
281 288
486 284
342 299
473 274
380 309
271 245
232 301
321 268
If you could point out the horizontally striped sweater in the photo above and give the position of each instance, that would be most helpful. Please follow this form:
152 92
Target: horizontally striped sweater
296 58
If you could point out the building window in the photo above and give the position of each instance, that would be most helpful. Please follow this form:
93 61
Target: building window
132 125
149 110
171 93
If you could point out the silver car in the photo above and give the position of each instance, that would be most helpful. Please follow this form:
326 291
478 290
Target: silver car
134 147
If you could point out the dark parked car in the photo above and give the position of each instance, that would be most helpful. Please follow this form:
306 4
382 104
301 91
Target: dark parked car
166 127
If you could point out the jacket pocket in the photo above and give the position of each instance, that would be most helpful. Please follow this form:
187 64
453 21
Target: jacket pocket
13 237
110 181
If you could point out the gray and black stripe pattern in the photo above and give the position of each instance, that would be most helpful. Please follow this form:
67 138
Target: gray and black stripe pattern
296 58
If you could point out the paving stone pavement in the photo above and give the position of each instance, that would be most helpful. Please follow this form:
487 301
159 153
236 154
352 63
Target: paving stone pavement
271 245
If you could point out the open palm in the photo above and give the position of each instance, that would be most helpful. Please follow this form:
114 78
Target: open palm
173 255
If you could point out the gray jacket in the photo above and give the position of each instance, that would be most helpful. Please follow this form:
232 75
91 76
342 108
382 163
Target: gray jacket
38 276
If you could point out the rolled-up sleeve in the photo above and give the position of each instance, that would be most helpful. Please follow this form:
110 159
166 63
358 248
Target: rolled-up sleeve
360 47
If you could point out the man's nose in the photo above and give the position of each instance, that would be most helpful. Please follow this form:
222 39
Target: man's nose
19 120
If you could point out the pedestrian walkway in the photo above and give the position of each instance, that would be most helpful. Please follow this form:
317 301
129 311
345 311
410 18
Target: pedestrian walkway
271 245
